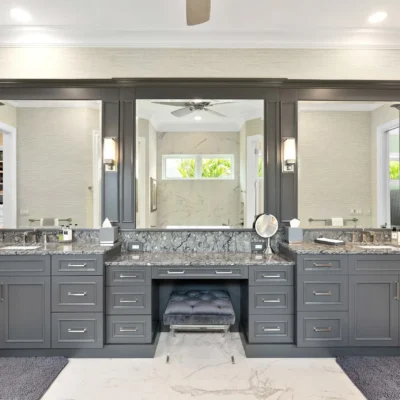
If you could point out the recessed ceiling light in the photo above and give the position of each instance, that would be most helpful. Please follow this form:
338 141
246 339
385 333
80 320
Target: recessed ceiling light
197 118
377 17
20 15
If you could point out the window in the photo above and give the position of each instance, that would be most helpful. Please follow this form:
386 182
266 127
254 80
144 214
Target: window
199 166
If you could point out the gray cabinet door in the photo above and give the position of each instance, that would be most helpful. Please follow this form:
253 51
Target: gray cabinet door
25 312
373 310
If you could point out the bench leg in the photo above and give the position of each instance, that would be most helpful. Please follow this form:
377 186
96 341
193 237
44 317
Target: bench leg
171 334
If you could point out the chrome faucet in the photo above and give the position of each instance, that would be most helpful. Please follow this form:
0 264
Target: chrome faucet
26 233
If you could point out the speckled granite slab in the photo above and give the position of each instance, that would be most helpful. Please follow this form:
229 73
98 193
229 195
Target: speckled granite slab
58 248
196 259
348 248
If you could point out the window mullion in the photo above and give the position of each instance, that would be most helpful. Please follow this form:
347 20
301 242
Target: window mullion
198 165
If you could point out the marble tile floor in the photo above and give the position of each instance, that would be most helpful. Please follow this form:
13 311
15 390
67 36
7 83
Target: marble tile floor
201 368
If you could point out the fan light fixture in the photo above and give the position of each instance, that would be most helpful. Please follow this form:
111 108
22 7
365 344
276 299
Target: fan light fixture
197 118
378 17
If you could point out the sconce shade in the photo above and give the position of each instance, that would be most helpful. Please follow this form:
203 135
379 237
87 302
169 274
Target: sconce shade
109 151
289 154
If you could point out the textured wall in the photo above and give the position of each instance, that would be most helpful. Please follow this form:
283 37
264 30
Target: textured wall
198 202
334 165
54 163
74 63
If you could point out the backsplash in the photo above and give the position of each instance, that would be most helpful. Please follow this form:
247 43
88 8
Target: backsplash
193 241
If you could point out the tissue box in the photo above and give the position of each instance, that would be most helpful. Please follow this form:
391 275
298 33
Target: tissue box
293 235
108 235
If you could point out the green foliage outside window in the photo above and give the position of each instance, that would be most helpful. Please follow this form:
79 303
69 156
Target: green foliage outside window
211 168
187 168
260 168
394 170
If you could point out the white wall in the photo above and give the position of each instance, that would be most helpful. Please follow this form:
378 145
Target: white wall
54 163
198 202
80 63
334 150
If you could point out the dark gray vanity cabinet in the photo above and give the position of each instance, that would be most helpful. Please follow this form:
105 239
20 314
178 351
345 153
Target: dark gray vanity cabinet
77 301
24 302
269 299
374 293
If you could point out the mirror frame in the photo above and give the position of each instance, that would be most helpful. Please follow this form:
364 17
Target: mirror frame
118 97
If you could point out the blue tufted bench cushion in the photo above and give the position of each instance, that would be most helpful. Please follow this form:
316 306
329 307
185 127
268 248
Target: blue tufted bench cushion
199 307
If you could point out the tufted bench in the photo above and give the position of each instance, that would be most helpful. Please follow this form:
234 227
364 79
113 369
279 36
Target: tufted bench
193 309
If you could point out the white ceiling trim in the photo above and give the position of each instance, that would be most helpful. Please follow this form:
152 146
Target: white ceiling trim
67 36
333 106
55 104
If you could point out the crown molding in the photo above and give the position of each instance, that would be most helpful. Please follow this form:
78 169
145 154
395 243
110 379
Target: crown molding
67 36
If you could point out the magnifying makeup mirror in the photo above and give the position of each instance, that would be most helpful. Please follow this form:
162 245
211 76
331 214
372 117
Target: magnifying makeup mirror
266 226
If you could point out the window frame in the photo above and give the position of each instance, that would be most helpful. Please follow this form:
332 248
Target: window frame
198 162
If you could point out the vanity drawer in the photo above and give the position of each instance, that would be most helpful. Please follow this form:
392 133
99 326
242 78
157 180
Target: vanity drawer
322 293
83 293
25 265
200 272
316 329
374 264
77 265
128 300
77 330
129 329
128 276
271 300
271 275
322 264
271 329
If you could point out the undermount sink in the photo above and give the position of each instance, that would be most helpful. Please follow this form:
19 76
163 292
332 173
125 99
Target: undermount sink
372 247
20 248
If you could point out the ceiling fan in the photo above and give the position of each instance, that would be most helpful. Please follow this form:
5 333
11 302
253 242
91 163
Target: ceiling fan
192 106
197 11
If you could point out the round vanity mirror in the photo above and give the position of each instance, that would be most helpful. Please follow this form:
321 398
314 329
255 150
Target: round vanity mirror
266 225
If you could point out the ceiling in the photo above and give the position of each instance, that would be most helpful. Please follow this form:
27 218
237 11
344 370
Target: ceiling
233 24
237 112
94 104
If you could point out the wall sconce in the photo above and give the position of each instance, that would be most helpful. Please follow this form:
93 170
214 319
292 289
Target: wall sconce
109 154
289 154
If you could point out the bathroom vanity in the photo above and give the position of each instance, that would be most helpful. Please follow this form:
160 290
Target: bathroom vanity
84 300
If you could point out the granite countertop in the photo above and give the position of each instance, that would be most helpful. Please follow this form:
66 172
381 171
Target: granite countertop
348 248
196 259
92 247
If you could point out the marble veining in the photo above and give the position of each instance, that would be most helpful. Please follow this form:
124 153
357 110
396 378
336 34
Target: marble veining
93 247
200 368
348 248
196 259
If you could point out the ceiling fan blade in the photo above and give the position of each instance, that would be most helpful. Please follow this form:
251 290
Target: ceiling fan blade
214 112
197 11
182 112
171 103
222 102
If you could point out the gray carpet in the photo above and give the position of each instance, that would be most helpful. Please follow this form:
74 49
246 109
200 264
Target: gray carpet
28 378
378 378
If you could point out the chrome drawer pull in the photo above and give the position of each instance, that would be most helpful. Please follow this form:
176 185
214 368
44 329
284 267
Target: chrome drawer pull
128 330
322 329
77 330
128 276
322 293
328 265
77 294
128 301
277 329
271 276
77 265
224 272
272 301
175 272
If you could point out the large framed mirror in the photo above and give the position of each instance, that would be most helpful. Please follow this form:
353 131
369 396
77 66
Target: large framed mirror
199 163
348 164
51 163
